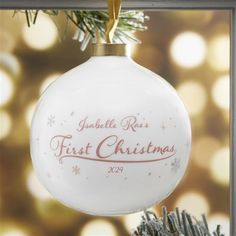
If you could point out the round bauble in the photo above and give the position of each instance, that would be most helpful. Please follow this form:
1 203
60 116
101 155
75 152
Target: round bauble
110 137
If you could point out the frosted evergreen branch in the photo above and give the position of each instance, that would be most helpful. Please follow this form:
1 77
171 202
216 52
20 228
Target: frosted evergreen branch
91 25
174 224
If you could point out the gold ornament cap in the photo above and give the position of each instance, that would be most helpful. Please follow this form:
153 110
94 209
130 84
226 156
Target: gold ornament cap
110 49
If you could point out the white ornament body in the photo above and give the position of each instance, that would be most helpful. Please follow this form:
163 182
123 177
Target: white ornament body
110 137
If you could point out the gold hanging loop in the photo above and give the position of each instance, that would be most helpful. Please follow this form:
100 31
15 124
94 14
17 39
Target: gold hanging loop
114 7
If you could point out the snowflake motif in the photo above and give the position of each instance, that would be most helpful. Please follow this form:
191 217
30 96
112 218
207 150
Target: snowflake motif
51 120
175 165
76 170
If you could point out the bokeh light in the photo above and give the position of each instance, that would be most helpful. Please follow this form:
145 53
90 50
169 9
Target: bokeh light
98 228
14 232
10 63
36 188
10 29
193 95
219 166
18 228
219 219
50 211
30 112
132 220
218 55
5 124
203 150
188 49
42 35
12 229
195 203
47 81
193 17
220 92
6 88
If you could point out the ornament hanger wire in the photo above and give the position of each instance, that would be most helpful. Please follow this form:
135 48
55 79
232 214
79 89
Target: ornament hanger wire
114 7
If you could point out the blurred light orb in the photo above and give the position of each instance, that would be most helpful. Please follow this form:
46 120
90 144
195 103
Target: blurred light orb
203 150
219 219
36 188
194 202
14 232
131 221
10 63
98 228
30 112
47 81
5 124
42 35
219 166
6 88
218 55
193 17
194 96
188 49
220 92
12 229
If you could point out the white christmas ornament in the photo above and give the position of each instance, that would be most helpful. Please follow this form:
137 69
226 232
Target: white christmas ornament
110 137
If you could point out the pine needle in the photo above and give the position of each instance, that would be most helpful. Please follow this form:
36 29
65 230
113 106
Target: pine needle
173 224
93 24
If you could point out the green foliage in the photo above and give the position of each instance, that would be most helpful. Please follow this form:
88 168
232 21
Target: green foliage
91 25
174 224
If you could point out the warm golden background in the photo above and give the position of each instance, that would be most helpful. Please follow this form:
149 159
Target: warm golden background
188 48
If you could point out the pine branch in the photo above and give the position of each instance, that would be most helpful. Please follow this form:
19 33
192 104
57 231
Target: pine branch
93 23
174 224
